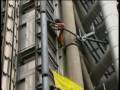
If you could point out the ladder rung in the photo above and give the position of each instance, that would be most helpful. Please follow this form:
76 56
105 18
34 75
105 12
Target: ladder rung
39 86
39 68
39 35
39 51
38 20
38 8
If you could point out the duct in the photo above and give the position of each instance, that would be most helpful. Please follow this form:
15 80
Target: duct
110 13
74 71
109 84
44 34
101 67
89 61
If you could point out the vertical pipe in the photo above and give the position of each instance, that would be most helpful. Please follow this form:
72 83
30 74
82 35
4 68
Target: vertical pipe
72 53
45 62
110 13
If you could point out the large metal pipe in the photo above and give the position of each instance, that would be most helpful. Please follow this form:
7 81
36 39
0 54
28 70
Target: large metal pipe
110 13
73 64
101 67
44 34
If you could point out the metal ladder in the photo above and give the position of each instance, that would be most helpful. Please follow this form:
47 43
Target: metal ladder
38 70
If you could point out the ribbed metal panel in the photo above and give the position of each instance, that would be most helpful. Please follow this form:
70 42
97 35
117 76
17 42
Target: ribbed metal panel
27 32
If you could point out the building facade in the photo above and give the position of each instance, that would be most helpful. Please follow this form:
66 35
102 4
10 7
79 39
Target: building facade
90 58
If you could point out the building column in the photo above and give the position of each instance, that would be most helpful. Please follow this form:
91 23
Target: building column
73 64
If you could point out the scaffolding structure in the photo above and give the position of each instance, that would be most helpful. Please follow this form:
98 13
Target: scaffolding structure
30 48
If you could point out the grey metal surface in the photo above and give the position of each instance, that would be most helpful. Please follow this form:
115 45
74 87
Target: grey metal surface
44 37
99 70
27 32
109 84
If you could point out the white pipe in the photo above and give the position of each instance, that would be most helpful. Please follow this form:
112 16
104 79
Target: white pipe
110 13
72 53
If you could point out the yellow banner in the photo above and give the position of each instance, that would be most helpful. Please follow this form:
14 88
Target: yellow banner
64 83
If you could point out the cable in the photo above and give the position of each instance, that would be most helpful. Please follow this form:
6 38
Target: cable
79 38
94 40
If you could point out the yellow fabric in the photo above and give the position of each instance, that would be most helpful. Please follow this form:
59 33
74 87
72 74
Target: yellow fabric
64 83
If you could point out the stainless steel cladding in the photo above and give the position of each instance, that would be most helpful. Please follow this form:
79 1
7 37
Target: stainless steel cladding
27 31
